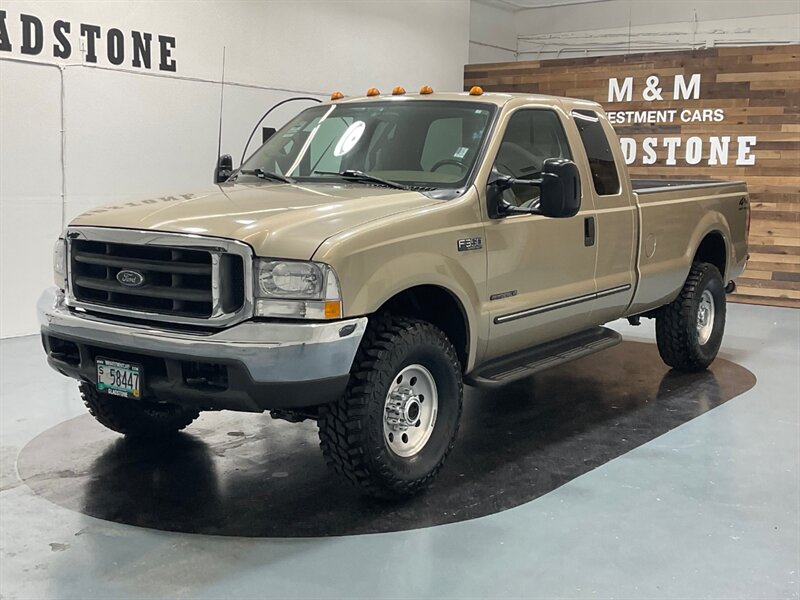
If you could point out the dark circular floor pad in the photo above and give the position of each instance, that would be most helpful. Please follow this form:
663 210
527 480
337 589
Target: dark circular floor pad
250 475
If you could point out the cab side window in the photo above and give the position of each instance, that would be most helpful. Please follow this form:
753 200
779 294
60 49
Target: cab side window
598 151
531 137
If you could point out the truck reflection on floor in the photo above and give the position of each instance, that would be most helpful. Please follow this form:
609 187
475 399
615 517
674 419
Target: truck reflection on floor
247 475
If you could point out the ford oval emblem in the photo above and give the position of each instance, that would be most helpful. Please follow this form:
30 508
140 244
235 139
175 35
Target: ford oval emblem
130 278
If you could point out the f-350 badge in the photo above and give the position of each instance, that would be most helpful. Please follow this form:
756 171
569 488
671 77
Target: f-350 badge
475 243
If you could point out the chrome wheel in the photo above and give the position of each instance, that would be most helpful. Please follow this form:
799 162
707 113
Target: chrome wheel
705 317
410 411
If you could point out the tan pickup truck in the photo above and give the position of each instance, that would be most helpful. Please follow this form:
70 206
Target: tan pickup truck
374 255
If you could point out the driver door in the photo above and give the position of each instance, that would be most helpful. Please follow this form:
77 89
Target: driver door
539 267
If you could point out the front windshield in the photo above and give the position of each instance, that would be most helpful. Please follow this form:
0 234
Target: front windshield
416 143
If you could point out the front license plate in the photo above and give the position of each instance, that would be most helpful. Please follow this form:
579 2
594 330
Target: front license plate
118 378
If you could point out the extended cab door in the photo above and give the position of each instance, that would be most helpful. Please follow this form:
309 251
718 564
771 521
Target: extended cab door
540 271
611 227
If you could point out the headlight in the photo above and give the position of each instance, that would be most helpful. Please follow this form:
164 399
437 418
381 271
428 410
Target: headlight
298 290
60 263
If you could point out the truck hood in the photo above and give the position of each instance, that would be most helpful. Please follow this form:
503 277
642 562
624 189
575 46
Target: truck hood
281 220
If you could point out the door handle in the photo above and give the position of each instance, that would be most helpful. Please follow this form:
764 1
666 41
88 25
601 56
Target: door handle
588 231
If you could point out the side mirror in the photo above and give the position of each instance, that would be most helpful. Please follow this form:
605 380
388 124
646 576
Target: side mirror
224 168
561 188
499 183
560 191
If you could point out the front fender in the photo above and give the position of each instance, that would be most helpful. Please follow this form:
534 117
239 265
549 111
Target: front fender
380 259
403 272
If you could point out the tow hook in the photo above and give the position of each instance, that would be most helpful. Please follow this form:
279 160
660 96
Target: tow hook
731 287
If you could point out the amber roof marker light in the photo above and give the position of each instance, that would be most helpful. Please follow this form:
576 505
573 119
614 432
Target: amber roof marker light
398 91
425 89
337 96
373 92
476 90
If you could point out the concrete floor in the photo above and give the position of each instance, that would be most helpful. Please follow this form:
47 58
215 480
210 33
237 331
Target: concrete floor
710 509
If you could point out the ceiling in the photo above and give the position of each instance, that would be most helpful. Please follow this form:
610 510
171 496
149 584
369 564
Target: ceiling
517 5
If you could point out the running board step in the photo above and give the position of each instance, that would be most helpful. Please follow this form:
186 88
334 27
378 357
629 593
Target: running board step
526 363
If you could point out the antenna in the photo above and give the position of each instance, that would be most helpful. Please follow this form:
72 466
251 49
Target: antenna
221 97
266 114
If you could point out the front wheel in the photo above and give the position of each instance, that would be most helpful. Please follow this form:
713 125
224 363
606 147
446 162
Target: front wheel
395 425
689 329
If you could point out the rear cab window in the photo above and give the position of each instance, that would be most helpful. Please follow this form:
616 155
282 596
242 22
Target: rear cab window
598 151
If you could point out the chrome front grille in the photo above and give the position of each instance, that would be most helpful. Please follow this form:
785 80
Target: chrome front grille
164 277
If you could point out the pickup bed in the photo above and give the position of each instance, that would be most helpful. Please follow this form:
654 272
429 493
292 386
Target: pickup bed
376 254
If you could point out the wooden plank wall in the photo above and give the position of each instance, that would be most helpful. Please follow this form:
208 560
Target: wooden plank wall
757 89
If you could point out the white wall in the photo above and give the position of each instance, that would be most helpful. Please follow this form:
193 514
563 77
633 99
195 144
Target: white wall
492 34
622 26
130 133
574 28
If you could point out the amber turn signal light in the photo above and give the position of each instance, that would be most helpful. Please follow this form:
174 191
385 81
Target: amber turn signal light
476 90
373 92
333 309
426 89
337 96
398 91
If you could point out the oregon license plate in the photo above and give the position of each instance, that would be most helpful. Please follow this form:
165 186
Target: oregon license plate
119 378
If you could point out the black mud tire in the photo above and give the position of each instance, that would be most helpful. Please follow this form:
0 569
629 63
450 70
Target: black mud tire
351 429
676 323
136 418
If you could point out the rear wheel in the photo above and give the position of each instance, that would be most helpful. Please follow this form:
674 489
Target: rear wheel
689 330
136 418
395 425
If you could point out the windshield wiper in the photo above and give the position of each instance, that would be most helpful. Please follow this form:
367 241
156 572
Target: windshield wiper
353 175
262 174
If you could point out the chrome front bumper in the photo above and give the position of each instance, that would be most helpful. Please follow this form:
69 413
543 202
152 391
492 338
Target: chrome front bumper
277 357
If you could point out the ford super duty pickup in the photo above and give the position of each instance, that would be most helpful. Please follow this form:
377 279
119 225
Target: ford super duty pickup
375 255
